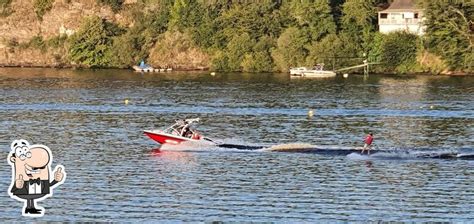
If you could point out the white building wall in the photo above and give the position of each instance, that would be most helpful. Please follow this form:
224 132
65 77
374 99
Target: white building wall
401 21
387 28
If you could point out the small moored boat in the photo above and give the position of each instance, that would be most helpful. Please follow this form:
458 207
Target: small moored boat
316 72
143 67
298 70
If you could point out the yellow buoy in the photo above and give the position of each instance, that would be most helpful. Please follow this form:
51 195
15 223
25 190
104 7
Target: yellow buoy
126 101
310 113
431 107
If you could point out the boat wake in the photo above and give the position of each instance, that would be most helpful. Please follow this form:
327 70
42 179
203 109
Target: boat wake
233 145
291 147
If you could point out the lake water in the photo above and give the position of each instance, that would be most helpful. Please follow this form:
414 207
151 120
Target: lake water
115 173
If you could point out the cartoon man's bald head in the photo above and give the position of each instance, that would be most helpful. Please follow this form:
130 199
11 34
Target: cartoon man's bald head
30 162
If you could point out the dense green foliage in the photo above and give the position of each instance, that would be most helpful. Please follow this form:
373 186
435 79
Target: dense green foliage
399 51
42 6
450 31
326 51
178 50
135 44
184 14
358 23
272 35
91 45
291 49
57 42
259 59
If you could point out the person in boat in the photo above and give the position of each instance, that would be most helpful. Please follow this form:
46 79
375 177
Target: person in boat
368 143
319 67
187 133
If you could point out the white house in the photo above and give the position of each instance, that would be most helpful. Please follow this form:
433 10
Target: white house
401 15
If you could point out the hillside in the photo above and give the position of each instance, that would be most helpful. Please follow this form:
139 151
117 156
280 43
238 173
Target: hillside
23 24
229 35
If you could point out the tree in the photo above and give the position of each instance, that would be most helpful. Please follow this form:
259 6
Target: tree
134 45
236 50
257 62
260 59
336 11
326 51
90 45
219 61
257 20
358 14
126 50
375 48
358 21
206 33
314 16
399 51
450 31
291 49
177 50
185 14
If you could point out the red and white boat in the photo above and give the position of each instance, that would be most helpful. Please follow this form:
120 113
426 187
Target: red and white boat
180 131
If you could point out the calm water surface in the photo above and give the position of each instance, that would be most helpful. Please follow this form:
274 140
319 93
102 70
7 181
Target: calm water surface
115 173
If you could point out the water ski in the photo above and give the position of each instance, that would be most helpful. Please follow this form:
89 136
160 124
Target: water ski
358 156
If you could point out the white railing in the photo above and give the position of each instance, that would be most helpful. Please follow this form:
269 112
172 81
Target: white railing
399 21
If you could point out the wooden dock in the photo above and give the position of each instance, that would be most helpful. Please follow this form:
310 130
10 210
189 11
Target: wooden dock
366 67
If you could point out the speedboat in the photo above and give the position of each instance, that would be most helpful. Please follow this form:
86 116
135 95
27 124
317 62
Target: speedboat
181 131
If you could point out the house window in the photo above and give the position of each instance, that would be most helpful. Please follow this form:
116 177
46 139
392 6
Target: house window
396 16
383 15
416 15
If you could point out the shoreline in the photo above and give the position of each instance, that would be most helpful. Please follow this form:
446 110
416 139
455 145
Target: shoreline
79 67
69 66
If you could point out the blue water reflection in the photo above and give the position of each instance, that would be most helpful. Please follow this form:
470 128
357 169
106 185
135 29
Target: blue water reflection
116 174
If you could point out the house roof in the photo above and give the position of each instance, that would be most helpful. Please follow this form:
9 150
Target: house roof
402 6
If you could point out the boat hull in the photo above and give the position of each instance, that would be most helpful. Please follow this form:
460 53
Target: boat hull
316 74
142 69
164 138
298 71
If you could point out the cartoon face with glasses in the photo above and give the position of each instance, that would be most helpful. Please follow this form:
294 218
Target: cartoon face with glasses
31 166
22 149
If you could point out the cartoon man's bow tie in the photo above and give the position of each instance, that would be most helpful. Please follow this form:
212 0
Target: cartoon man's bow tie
35 181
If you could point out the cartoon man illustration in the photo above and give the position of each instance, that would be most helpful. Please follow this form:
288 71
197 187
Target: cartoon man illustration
31 167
